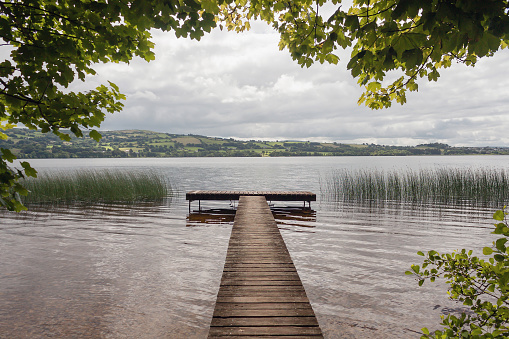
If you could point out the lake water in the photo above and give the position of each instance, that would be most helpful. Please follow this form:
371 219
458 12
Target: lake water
153 270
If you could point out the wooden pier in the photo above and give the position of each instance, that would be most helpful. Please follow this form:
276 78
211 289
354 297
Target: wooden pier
261 294
235 195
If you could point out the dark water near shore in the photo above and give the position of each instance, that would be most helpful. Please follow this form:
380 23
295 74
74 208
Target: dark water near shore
153 270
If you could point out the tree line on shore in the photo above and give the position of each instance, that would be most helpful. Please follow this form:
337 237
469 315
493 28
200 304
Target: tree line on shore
31 144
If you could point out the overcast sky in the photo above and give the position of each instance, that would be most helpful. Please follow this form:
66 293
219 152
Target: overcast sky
243 86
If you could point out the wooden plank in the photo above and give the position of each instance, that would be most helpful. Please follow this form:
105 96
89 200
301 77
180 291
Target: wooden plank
235 195
296 312
258 269
261 294
264 331
265 321
238 282
226 288
270 275
265 337
273 299
262 306
297 294
259 265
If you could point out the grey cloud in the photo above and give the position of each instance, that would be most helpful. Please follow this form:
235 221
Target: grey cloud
241 85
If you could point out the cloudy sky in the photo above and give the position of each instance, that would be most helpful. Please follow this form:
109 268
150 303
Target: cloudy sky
242 86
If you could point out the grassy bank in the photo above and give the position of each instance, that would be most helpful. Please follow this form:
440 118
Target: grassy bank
447 185
96 186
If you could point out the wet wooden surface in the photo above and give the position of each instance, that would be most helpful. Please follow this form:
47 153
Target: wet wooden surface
261 294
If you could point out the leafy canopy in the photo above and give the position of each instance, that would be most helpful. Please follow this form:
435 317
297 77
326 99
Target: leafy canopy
415 38
53 43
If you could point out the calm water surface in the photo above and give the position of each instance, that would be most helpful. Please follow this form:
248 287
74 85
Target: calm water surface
153 270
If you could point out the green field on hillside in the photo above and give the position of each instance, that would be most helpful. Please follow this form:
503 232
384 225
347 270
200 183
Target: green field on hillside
135 143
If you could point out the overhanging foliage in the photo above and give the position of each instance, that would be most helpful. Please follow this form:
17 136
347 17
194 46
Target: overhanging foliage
53 43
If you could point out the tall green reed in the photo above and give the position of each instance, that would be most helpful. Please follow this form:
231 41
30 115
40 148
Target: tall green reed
446 185
96 186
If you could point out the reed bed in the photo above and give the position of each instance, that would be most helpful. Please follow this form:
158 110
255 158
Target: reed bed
106 186
445 185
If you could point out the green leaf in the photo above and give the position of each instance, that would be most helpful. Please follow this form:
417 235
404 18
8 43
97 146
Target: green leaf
352 21
408 41
504 279
115 87
499 215
400 9
210 6
473 333
413 58
389 58
353 61
481 47
493 41
29 171
412 86
390 27
500 244
95 135
487 250
374 86
7 155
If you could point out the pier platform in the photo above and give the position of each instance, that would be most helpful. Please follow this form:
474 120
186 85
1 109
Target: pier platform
261 294
303 196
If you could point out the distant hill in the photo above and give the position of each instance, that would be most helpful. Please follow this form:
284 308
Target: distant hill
26 143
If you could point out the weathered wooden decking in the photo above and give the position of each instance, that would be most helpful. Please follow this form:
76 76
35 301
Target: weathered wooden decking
304 196
261 294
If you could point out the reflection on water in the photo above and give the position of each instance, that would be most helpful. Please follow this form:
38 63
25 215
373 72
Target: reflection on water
294 216
212 216
139 271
